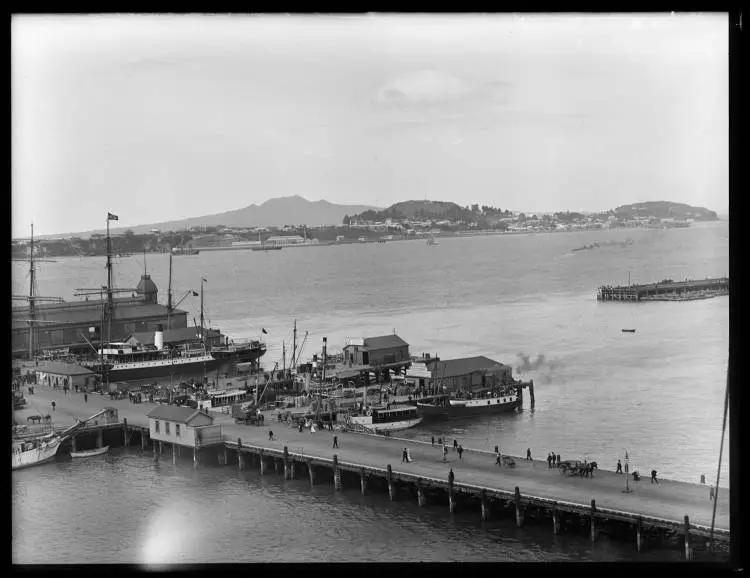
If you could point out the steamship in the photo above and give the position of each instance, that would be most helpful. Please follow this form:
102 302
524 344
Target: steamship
126 362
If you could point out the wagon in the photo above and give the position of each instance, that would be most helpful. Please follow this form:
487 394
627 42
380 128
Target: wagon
509 461
571 468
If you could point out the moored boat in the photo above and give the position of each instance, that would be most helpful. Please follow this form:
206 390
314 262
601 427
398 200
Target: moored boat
379 420
447 406
90 453
34 451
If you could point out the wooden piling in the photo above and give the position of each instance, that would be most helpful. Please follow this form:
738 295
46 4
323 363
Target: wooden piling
311 471
126 438
688 545
144 440
389 480
161 447
593 520
639 534
555 520
99 438
240 458
262 463
531 392
336 473
196 456
156 453
519 512
485 509
451 498
226 456
174 453
362 480
73 443
421 500
286 464
276 465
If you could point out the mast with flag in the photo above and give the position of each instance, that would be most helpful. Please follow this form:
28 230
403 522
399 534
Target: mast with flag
110 300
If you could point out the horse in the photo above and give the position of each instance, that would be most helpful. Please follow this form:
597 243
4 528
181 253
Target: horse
34 418
48 418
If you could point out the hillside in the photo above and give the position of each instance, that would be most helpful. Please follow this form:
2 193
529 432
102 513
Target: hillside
665 210
419 210
293 210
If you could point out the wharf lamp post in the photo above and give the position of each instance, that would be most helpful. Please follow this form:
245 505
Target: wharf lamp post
627 489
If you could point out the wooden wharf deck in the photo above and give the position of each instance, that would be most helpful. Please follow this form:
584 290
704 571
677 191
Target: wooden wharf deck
531 490
663 290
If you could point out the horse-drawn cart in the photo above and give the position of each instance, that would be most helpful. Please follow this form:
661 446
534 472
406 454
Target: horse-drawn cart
577 468
244 414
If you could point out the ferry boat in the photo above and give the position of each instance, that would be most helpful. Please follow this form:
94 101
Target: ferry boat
378 420
185 251
489 403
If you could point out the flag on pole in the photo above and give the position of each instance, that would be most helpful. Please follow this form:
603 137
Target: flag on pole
264 331
204 279
195 294
111 217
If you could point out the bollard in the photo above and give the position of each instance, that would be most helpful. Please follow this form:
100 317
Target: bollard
688 546
126 440
336 473
240 458
196 456
286 463
174 453
485 509
555 520
311 471
389 480
362 480
73 443
262 464
421 500
519 512
639 534
593 520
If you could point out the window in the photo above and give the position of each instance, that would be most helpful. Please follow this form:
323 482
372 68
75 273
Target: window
166 428
157 426
177 430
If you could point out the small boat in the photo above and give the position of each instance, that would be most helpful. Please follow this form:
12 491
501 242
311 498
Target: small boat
628 330
267 248
90 453
388 420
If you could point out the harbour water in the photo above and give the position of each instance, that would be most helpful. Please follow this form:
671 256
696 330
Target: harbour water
526 300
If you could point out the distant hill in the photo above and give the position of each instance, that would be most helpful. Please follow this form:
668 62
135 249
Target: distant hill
419 209
665 210
293 210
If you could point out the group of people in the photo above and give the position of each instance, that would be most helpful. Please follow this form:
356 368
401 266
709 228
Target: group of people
553 460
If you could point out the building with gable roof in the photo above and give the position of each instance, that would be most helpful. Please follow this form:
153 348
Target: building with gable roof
183 426
469 374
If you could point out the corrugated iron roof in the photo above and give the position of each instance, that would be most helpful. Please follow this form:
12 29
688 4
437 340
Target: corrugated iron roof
175 413
60 368
384 342
463 366
92 315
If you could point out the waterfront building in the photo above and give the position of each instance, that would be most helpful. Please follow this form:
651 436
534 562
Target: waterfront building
60 374
64 325
284 240
382 351
469 373
183 426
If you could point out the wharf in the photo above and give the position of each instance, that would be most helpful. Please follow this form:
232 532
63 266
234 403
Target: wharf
531 489
666 290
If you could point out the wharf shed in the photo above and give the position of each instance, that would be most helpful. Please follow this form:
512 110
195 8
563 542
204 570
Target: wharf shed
382 352
183 426
468 374
61 374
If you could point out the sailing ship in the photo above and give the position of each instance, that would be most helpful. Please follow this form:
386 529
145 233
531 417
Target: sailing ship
28 452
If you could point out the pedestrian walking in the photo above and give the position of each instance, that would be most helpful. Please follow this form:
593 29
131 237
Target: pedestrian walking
455 444
403 456
451 476
85 398
528 454
653 477
497 449
335 441
445 453
712 493
497 459
558 460
549 460
460 451
53 405
619 467
270 435
433 440
440 440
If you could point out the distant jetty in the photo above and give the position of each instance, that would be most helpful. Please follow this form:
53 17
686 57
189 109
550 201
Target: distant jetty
666 290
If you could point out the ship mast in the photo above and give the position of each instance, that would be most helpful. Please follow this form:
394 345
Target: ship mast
294 346
110 300
32 281
169 290
203 280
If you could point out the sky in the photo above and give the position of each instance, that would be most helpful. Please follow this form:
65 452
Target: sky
158 118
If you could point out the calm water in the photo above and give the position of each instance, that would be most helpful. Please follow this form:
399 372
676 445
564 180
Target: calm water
658 392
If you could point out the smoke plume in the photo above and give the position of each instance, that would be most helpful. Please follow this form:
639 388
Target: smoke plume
541 364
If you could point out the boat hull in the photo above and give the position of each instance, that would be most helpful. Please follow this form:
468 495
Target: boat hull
366 422
90 453
149 371
25 459
495 406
